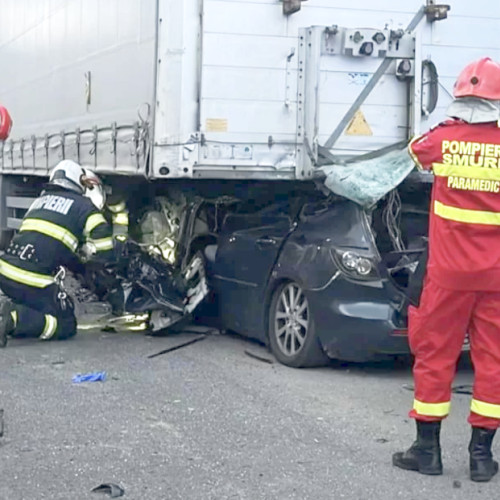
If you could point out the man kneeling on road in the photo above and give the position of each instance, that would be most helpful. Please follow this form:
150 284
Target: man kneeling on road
58 224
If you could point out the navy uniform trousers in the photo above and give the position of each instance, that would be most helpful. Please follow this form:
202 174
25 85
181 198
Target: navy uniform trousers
38 312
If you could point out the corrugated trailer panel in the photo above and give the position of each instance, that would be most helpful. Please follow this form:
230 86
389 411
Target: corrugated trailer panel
80 64
179 54
225 88
250 76
250 87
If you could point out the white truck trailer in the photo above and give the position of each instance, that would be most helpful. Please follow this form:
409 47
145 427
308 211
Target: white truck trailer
266 90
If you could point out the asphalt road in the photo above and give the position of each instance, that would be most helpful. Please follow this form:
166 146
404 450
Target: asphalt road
209 422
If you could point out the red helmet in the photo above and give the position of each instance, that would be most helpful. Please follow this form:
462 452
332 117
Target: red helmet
479 79
5 123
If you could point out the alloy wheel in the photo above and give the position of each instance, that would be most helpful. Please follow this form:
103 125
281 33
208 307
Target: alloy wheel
291 322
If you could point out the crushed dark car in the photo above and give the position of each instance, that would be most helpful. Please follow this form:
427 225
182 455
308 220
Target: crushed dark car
321 278
309 273
312 275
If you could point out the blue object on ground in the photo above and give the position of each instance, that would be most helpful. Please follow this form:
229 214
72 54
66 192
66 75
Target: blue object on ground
89 377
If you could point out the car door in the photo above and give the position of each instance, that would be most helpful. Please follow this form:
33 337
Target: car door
248 248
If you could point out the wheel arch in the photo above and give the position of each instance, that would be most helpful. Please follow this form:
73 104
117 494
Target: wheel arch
313 352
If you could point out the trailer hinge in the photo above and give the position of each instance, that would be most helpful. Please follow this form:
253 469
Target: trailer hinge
95 140
21 151
46 149
436 12
291 6
63 144
33 149
136 143
77 143
11 152
114 138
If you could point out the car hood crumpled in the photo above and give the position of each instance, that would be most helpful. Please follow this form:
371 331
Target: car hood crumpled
367 181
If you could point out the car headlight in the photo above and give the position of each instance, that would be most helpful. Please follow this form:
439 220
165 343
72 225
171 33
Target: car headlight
350 260
364 267
355 265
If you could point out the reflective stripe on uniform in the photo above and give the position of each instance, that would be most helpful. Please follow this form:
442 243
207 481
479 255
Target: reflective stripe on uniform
117 207
465 215
50 229
485 409
103 244
92 222
50 327
121 219
26 277
13 315
432 409
414 157
442 170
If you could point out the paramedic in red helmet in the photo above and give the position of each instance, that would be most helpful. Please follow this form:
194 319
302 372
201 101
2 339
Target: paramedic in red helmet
58 224
461 293
5 123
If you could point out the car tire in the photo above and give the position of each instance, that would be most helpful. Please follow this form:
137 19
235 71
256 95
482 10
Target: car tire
291 332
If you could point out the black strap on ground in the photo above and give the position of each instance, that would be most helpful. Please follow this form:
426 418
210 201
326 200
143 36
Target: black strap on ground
178 346
260 358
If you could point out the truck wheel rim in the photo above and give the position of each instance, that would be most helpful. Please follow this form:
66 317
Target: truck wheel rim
291 322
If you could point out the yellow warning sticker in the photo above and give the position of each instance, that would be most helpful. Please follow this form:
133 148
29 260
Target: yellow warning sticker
358 125
216 125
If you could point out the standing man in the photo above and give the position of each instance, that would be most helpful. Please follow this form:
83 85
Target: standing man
461 291
57 224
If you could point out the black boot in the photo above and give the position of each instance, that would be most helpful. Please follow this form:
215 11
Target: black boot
482 465
424 455
6 321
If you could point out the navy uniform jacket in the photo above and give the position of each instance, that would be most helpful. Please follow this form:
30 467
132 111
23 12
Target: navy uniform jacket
55 226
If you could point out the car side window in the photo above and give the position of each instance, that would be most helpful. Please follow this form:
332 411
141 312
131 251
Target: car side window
248 218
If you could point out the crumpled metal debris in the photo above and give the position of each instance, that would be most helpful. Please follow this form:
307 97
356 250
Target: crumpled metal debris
111 489
160 226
